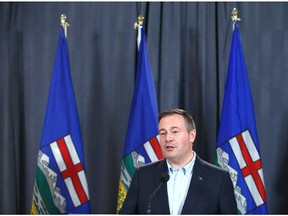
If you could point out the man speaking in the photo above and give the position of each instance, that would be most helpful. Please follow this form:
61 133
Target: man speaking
182 183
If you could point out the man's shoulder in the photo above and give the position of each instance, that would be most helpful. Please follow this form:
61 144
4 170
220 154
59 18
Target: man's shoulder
209 166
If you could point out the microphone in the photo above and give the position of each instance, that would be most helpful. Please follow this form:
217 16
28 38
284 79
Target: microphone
164 178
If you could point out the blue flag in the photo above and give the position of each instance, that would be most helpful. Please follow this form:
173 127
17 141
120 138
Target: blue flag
60 182
142 145
237 146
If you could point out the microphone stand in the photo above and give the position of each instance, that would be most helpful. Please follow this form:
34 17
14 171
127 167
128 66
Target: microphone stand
164 178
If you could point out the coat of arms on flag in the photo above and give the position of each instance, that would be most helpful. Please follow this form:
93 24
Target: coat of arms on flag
248 158
48 199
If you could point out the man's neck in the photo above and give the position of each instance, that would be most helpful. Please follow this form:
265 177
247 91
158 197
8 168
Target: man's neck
178 165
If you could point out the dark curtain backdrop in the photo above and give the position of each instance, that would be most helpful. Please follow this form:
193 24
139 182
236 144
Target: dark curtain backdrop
188 45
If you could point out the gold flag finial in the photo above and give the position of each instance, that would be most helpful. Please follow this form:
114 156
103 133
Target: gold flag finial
234 15
64 23
63 20
139 21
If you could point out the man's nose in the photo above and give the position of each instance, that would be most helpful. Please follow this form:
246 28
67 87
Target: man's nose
169 137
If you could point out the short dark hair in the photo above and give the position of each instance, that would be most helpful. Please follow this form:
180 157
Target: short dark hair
190 124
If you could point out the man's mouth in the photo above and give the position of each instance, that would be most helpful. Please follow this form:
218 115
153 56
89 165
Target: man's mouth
170 147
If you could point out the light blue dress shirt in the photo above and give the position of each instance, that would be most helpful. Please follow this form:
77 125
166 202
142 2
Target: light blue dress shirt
178 185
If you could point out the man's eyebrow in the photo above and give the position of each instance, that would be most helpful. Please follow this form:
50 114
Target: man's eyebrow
174 127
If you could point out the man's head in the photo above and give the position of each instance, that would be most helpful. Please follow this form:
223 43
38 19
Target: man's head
177 133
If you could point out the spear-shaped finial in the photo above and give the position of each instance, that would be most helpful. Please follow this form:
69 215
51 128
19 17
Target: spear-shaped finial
139 21
138 24
234 16
64 23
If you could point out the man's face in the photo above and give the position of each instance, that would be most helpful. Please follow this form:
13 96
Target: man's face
176 141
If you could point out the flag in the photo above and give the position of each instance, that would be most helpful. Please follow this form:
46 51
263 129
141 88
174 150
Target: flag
142 139
237 145
60 179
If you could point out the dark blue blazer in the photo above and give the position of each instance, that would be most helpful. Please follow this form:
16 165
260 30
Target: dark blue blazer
211 191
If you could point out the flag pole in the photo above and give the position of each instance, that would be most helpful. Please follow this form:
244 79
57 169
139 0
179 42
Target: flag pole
234 16
138 24
64 23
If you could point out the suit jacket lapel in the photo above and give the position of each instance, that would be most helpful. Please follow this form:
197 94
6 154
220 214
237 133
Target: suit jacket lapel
195 188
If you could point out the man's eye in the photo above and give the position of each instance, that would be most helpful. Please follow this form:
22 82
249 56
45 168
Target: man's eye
175 132
162 134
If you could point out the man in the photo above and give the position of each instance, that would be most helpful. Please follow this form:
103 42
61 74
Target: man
193 185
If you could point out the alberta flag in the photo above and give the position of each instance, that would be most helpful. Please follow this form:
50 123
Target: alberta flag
60 180
237 146
142 145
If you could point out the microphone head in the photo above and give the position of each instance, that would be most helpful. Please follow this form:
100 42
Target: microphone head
165 177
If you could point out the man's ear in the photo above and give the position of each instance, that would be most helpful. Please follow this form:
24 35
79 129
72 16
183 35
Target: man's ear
192 135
